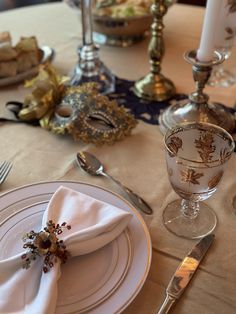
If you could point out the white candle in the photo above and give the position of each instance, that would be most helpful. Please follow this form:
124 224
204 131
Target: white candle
211 20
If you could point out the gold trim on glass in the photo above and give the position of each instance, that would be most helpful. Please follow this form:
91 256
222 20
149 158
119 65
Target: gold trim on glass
214 129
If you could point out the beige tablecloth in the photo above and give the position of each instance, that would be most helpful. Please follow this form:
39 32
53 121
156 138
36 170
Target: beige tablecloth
138 161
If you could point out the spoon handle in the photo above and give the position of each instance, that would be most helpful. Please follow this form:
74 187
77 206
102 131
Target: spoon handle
135 199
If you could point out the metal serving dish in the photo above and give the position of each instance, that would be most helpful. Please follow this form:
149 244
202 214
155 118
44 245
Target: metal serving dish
122 27
122 31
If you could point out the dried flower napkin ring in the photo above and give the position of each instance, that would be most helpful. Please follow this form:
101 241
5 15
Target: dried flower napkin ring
45 244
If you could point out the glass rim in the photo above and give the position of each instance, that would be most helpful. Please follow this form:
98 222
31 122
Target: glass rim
200 125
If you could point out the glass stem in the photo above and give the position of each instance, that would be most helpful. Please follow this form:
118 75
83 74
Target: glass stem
89 62
87 22
189 208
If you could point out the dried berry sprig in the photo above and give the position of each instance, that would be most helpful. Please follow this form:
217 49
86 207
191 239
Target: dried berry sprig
46 244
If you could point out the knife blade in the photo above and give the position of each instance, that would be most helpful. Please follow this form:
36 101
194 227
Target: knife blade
185 272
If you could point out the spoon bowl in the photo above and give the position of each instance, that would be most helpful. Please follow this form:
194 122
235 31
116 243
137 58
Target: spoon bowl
89 163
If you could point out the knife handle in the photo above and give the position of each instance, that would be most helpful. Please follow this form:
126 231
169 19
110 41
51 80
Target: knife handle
166 305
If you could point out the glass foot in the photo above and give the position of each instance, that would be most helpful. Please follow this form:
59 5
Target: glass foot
203 224
102 76
222 78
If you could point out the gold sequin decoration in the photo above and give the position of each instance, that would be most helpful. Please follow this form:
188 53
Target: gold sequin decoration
79 111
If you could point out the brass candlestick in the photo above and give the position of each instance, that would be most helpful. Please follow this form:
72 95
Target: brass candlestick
197 108
155 86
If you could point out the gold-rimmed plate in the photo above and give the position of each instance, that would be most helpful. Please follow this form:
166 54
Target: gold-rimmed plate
46 55
105 281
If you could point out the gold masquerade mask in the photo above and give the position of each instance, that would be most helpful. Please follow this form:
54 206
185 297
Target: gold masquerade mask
80 111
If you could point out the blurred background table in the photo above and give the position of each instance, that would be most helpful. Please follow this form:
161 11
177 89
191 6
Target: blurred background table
138 161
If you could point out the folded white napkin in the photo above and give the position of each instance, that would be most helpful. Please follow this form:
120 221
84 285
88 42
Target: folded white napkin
93 225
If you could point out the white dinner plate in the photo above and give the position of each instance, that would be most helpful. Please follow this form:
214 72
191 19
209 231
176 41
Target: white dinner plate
46 54
103 282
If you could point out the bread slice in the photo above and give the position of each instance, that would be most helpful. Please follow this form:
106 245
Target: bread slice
8 68
24 56
7 52
28 54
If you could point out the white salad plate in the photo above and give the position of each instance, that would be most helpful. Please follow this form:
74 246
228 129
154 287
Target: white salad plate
103 282
46 54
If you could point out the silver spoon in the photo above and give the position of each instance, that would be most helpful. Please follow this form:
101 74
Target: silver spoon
93 166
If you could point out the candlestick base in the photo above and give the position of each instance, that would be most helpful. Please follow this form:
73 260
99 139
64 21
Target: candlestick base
154 87
191 112
197 108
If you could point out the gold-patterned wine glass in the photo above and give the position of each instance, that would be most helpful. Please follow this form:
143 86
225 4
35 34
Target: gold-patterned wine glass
196 156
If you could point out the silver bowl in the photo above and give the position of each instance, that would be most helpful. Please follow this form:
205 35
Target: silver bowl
120 31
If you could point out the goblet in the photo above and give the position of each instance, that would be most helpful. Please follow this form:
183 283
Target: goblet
224 41
90 68
196 156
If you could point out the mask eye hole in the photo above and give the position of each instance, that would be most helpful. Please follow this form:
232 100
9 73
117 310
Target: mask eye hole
100 122
64 112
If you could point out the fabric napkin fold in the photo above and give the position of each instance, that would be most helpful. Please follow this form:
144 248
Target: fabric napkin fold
93 225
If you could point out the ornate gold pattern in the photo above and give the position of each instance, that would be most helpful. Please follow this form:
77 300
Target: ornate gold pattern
215 180
79 111
224 155
205 146
190 176
113 122
174 145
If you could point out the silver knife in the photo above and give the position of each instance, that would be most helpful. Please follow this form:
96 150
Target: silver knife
184 273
